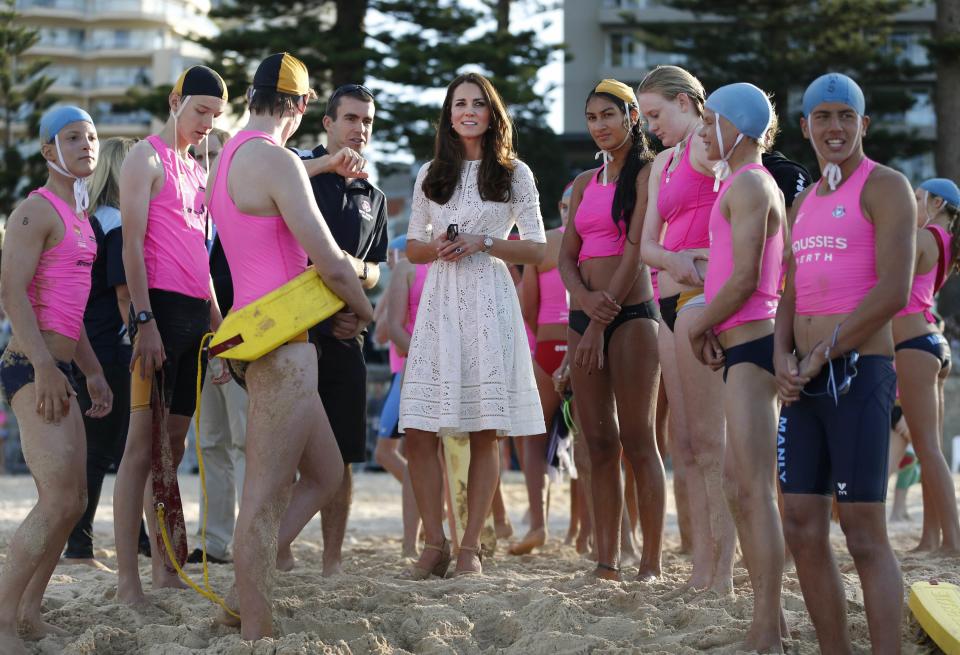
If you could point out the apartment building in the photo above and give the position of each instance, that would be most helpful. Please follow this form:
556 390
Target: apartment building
100 49
601 44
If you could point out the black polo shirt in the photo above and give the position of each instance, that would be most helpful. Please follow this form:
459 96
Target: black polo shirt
101 318
792 177
356 213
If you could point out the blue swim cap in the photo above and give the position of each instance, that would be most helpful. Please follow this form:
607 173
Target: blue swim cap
744 105
834 87
943 188
398 243
59 117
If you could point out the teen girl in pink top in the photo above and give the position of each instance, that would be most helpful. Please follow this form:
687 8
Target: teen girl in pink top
675 241
923 359
735 331
262 252
48 251
613 326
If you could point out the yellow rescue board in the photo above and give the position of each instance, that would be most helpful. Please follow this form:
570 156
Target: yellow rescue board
273 320
937 608
456 454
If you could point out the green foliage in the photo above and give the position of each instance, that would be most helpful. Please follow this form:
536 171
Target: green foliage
23 97
782 46
411 49
427 43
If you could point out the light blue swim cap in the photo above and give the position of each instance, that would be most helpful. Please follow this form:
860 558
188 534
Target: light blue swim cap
398 243
59 117
943 188
744 105
834 87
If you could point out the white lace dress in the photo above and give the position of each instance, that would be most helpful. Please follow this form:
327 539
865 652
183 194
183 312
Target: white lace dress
469 366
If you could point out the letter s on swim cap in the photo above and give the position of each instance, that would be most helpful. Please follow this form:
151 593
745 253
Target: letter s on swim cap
834 87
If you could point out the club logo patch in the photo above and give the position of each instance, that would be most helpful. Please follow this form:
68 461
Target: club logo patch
839 211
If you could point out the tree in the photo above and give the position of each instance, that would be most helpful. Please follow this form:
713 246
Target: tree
327 35
415 48
441 40
945 50
23 97
782 46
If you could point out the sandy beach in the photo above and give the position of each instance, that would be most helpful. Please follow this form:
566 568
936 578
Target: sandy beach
537 604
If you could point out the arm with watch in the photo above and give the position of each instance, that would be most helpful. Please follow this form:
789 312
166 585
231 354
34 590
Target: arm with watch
345 324
136 180
459 245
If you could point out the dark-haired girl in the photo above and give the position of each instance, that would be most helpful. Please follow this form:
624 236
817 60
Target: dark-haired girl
923 359
675 241
468 367
613 326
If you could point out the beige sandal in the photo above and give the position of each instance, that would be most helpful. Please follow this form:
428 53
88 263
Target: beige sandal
439 569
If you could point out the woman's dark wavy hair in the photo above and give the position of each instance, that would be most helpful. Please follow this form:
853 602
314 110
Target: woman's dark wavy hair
625 197
496 167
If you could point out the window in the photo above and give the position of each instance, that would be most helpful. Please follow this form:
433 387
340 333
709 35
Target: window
624 51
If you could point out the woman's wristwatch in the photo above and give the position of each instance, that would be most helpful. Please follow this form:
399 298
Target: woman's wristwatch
487 244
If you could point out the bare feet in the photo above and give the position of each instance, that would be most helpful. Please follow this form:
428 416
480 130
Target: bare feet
131 594
91 562
583 542
285 559
648 573
225 618
766 643
571 537
925 546
533 539
332 568
606 572
11 644
166 580
35 628
504 530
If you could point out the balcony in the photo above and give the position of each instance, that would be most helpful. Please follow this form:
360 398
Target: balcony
52 8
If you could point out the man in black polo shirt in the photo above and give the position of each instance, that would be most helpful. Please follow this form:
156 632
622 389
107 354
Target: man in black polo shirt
355 212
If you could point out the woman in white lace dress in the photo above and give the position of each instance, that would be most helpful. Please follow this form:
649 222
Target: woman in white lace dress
469 367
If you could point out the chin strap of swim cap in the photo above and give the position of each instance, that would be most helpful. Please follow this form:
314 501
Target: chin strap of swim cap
831 172
81 195
926 208
176 154
607 154
721 170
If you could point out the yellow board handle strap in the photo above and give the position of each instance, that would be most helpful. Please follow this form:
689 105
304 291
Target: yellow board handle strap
206 592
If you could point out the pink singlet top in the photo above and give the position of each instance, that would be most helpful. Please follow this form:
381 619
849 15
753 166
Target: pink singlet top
60 286
594 222
262 252
175 247
684 200
762 304
834 248
413 304
554 303
922 291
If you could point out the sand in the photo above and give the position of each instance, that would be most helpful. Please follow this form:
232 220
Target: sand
542 603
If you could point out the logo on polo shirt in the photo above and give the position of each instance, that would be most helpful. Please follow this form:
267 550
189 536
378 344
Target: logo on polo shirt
365 208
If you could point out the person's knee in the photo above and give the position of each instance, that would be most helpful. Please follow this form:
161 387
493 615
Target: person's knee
383 452
863 540
604 450
803 533
64 505
641 450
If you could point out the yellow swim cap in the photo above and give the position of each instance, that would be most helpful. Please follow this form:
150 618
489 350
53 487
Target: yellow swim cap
618 89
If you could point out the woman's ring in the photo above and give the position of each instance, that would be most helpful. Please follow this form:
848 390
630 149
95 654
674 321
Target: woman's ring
458 250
